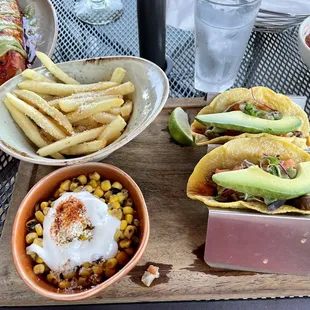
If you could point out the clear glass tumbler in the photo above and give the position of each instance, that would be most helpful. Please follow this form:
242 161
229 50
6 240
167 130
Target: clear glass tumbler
222 31
98 12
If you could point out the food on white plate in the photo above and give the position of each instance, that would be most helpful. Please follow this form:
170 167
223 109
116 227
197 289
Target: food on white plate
65 234
16 48
150 275
66 120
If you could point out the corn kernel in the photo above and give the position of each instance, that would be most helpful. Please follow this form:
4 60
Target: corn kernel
128 202
38 260
38 241
106 185
50 278
64 284
98 183
38 269
39 216
39 229
97 269
110 211
69 275
30 237
56 194
115 205
128 210
98 192
95 176
117 213
33 255
86 265
129 218
136 222
123 225
92 183
85 272
129 231
125 243
88 188
65 186
113 198
122 258
44 204
31 225
110 272
73 186
111 263
45 210
130 251
78 189
82 179
121 197
107 195
117 185
117 235
83 281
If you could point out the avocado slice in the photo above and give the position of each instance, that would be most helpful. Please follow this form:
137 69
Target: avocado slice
237 120
255 181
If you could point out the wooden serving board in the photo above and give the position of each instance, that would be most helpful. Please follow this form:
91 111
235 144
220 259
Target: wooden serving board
178 227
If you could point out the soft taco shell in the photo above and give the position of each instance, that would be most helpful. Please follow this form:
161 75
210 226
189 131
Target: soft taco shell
275 101
232 154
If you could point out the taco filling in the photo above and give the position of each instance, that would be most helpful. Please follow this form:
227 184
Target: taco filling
284 169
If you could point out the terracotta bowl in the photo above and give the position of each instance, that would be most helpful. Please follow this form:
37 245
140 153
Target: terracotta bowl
43 190
150 96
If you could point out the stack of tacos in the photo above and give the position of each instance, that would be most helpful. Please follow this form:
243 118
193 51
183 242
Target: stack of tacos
261 168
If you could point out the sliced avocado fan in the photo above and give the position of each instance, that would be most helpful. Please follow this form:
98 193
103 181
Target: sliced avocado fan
255 181
237 120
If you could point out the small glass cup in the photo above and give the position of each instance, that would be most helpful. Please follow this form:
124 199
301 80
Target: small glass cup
222 31
98 12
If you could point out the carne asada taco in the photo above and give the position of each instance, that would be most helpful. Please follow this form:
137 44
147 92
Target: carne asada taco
254 112
266 174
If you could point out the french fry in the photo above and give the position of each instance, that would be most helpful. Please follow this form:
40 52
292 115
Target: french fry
123 89
35 100
88 110
47 97
118 75
55 70
70 105
126 110
40 119
116 111
60 145
28 127
112 130
36 76
58 89
119 90
103 117
85 148
88 122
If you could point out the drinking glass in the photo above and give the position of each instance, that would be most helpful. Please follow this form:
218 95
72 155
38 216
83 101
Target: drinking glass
98 12
222 31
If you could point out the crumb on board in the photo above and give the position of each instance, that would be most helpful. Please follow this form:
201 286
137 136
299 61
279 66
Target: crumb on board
150 275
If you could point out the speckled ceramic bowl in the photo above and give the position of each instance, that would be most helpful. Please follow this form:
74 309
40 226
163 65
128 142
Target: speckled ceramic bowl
43 190
152 89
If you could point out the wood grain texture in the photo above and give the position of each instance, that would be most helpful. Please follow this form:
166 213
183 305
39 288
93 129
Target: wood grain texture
178 226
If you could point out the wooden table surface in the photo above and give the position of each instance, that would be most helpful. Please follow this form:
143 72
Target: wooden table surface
178 227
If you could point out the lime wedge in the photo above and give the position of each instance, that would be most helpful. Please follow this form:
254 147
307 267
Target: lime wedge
179 127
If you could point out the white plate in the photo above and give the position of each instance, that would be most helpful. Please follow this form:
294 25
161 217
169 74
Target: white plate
48 25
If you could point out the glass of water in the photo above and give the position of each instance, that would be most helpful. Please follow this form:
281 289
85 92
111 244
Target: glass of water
222 31
98 12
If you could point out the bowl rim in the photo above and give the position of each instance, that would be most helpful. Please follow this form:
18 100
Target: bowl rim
97 155
98 288
300 32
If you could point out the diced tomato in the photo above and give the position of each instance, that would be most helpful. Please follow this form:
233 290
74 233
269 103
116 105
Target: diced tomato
199 130
289 163
206 189
264 108
236 107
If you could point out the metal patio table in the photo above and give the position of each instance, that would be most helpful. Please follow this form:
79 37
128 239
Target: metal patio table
270 60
